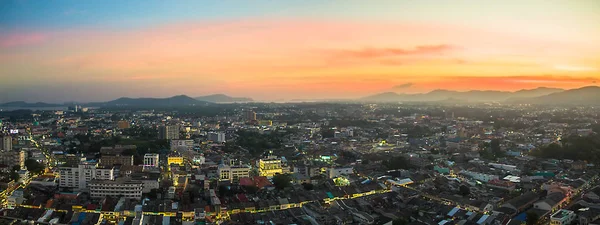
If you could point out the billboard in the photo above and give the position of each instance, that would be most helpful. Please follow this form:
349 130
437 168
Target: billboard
14 131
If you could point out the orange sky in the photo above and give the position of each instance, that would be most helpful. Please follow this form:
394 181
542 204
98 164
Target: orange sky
292 58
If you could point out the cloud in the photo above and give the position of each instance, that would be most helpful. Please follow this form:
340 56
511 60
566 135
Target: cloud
21 39
403 86
390 52
574 68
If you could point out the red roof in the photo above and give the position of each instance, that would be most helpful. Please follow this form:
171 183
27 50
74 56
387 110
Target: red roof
242 197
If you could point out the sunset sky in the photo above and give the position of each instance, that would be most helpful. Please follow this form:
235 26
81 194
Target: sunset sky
56 51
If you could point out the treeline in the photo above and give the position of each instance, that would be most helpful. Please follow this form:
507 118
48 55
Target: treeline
574 147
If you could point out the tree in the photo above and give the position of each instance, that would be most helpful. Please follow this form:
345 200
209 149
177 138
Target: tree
464 190
400 221
34 166
308 186
532 218
398 162
281 181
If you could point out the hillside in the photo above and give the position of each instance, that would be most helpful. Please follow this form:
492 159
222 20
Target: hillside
221 98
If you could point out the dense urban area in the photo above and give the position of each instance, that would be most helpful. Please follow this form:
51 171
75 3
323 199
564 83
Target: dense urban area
301 163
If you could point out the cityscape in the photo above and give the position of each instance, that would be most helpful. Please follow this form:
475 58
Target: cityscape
300 112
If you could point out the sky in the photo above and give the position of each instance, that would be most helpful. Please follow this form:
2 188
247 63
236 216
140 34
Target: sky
59 50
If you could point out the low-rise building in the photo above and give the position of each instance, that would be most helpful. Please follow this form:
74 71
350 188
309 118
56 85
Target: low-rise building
116 188
562 217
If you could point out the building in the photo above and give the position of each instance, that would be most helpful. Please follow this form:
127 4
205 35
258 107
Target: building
121 187
117 149
501 184
178 160
122 124
79 177
217 137
265 122
149 181
232 171
6 143
151 160
168 132
479 176
250 115
111 160
269 166
182 145
12 158
337 172
562 217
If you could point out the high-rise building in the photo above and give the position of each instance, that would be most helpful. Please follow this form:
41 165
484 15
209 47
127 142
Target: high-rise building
12 158
182 145
168 132
151 160
79 177
6 144
250 115
217 137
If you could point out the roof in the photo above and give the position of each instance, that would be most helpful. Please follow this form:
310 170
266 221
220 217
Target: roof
524 200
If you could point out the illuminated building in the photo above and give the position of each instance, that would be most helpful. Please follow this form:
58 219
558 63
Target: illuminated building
269 166
231 171
265 122
12 158
178 160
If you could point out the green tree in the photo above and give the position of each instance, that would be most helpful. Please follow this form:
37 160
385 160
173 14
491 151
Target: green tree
398 162
34 166
532 218
281 181
400 221
464 190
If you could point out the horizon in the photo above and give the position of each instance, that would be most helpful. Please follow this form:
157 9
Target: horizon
291 100
94 51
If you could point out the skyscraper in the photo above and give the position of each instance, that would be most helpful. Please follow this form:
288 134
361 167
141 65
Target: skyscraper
168 132
6 143
250 115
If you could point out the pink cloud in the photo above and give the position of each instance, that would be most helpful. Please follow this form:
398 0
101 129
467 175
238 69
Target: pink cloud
22 39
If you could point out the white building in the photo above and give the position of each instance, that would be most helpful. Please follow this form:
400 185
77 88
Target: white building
79 177
479 176
233 172
562 217
218 137
336 172
151 160
115 188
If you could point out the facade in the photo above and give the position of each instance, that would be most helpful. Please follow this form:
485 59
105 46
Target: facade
12 158
110 160
232 172
217 137
79 177
6 143
175 160
182 145
151 160
562 217
123 124
269 166
168 132
115 188
250 115
479 176
336 172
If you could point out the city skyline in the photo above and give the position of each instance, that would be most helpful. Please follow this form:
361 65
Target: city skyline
96 51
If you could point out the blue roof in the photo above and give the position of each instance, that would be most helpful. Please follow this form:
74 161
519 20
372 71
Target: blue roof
329 195
482 219
453 211
521 217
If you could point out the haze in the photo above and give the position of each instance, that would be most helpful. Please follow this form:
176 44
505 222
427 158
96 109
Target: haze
57 51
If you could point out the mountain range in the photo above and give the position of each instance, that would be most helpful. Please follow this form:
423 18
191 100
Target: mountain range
221 98
471 96
543 96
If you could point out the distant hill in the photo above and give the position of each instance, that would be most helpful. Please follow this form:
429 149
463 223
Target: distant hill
22 104
221 98
468 96
179 100
581 96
